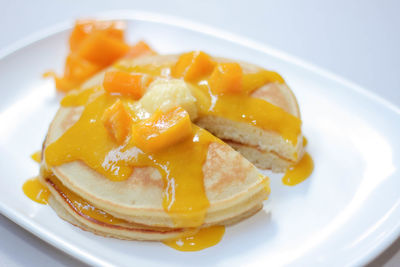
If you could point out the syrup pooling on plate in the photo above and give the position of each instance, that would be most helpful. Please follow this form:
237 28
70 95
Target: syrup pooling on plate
184 199
198 240
305 141
36 191
299 172
33 188
37 156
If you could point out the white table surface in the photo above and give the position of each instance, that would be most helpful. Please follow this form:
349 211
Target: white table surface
359 40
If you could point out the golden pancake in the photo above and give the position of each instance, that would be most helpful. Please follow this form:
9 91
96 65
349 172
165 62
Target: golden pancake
163 147
264 126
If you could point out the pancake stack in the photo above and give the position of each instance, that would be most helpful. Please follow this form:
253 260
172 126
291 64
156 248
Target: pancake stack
118 189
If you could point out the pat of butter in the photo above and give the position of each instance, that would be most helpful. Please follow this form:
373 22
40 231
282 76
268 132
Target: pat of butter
166 94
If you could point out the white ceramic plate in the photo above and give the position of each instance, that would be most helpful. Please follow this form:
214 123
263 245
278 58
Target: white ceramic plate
345 214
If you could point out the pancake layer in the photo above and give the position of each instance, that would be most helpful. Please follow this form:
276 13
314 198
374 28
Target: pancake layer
264 127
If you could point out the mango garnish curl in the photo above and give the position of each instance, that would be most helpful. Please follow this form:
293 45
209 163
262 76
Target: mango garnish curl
162 129
193 66
94 45
124 83
117 121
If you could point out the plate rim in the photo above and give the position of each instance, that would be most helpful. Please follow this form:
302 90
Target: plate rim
176 21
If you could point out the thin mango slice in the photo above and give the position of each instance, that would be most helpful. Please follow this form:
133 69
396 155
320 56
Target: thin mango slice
117 121
162 129
193 66
226 78
124 83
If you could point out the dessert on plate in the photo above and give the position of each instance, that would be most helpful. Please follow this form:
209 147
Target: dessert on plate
163 147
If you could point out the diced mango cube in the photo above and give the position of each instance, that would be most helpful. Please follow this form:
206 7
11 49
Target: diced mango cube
83 28
124 83
226 78
101 49
117 121
193 66
162 129
139 49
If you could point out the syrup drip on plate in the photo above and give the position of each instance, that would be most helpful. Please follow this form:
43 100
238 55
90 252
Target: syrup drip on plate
36 191
37 156
299 172
33 188
199 240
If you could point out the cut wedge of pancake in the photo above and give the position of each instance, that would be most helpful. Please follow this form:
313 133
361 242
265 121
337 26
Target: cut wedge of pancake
264 148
